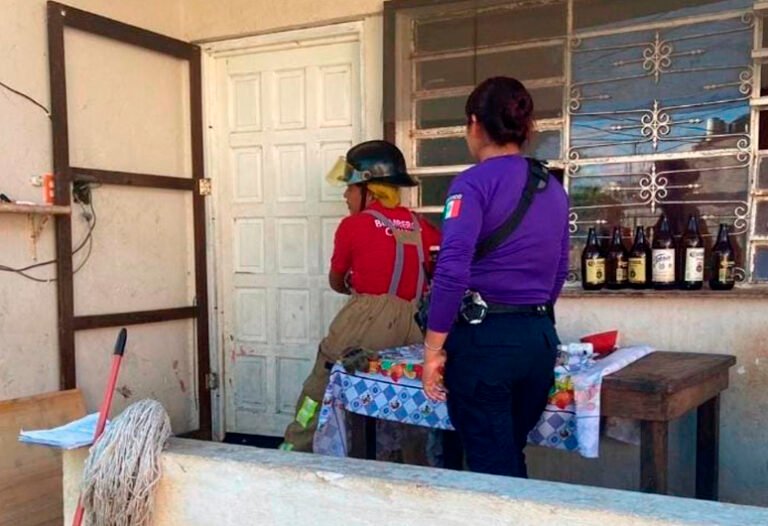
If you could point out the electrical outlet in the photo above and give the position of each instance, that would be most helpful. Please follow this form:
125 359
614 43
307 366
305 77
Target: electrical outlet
36 180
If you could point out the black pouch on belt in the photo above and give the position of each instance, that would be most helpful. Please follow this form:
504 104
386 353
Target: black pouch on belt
473 308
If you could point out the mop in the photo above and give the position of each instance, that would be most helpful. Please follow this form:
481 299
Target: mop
123 467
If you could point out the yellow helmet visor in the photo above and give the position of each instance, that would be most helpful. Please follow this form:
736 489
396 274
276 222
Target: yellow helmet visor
339 173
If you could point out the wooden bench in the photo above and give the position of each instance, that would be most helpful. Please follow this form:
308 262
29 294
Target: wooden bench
655 390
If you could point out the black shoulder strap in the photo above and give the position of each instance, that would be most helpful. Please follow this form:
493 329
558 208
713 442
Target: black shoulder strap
538 178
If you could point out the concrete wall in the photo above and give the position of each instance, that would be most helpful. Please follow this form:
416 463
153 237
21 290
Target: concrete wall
205 20
205 483
735 325
140 260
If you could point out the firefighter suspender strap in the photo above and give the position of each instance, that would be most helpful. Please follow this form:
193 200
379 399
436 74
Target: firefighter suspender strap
403 238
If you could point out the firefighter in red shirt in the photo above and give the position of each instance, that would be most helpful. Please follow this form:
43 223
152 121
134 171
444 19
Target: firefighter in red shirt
379 258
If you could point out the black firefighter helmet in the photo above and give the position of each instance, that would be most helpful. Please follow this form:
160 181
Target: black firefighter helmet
372 162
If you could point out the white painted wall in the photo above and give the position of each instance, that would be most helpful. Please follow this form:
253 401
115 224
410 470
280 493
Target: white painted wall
205 483
128 111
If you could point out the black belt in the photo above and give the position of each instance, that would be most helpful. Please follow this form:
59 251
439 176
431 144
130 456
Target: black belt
498 308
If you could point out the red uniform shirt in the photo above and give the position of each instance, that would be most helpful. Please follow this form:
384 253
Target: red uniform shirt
365 248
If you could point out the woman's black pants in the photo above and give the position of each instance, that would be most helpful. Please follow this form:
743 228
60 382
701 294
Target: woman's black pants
498 375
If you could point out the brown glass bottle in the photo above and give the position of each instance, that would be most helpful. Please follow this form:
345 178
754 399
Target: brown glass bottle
723 261
640 261
663 255
616 262
691 257
592 263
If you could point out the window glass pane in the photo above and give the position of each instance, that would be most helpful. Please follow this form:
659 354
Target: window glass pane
547 102
693 98
761 218
435 219
449 111
762 126
491 26
434 189
544 145
761 263
629 194
442 152
762 173
601 14
439 113
444 35
523 64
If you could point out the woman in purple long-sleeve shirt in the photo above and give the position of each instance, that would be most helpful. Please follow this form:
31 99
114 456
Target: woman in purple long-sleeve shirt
498 373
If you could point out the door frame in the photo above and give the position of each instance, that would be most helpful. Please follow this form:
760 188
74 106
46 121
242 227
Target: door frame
368 32
60 17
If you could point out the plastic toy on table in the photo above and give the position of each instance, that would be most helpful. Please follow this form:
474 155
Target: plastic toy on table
399 362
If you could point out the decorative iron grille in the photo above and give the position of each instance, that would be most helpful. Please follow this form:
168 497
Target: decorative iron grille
648 107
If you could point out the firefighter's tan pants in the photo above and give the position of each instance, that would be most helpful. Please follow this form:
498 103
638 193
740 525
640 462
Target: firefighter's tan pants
370 322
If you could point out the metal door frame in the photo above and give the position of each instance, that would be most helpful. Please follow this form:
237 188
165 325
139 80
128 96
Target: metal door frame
60 17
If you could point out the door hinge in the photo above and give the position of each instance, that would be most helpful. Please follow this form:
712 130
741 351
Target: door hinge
212 381
204 186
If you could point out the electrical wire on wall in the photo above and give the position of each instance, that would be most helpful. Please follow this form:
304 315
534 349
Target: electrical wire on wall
82 196
89 215
25 96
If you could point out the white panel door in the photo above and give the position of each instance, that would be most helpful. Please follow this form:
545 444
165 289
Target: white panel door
286 117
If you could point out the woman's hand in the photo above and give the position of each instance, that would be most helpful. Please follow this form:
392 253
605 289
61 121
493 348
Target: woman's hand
432 377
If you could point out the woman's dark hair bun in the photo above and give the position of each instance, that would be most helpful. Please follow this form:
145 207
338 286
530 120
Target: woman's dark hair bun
505 109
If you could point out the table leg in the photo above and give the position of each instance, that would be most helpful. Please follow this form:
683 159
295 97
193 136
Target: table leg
654 455
363 436
708 449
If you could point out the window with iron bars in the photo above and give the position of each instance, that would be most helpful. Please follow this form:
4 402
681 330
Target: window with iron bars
648 107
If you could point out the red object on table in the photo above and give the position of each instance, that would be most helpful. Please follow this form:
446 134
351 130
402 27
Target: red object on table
602 342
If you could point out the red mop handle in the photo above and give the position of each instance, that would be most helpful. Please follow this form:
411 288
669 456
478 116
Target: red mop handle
106 404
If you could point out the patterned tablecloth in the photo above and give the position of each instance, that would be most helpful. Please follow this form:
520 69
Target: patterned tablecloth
571 420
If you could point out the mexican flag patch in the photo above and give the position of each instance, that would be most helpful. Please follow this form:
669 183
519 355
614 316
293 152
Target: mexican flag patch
452 207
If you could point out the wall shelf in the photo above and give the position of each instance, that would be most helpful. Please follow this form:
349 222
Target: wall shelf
751 291
16 208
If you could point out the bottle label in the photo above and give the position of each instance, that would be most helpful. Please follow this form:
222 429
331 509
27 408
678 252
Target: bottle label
663 265
637 270
596 271
621 271
694 264
725 271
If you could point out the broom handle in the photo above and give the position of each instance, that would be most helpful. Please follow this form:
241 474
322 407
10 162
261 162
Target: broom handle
106 404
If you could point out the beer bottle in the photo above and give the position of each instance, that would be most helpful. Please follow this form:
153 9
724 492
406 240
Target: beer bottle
592 263
723 262
616 262
663 256
692 257
640 261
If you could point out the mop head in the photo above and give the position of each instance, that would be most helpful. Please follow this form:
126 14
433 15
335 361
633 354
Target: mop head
123 467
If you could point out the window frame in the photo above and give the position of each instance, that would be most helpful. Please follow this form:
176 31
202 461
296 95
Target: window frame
399 100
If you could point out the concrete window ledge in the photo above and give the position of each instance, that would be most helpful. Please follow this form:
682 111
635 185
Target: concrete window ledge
207 483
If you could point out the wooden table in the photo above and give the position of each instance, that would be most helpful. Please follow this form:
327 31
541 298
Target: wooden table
656 389
664 386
